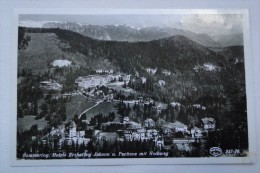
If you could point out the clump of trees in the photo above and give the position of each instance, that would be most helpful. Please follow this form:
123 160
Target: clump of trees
23 39
97 120
28 94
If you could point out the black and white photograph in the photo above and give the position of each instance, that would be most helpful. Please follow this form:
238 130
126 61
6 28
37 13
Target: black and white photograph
121 86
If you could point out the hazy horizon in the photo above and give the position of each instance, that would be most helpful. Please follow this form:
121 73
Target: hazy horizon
210 24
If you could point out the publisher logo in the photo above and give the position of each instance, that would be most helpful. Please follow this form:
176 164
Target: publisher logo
215 151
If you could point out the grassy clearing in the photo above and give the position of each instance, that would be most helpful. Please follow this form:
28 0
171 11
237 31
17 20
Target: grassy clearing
77 105
41 49
104 108
26 123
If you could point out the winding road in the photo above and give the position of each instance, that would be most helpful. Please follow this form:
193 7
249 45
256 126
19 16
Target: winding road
98 102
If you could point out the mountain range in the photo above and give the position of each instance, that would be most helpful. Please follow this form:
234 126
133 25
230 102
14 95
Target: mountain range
133 34
174 53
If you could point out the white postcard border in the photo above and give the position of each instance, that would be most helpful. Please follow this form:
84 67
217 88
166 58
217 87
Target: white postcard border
136 161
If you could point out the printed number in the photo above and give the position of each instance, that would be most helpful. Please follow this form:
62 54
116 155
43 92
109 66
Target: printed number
233 151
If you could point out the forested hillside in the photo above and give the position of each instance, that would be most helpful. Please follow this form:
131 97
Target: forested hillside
197 74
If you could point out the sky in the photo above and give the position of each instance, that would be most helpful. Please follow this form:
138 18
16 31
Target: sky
211 24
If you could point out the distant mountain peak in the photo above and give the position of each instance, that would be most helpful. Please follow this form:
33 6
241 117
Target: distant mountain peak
132 33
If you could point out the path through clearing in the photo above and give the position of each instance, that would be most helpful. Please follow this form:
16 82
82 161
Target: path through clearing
98 102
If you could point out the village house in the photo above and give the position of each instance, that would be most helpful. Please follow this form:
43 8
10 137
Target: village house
50 85
168 131
141 132
208 124
175 104
198 106
149 123
137 80
64 96
148 101
133 125
166 72
143 80
161 82
170 128
126 78
160 107
132 134
106 136
99 94
72 130
152 134
70 135
196 133
159 143
114 78
151 71
95 132
126 120
133 130
109 98
102 71
78 137
91 81
57 131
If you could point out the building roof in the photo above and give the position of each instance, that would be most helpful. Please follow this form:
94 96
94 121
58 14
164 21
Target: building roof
45 82
108 135
134 125
126 118
176 124
152 131
199 106
207 120
149 120
175 104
